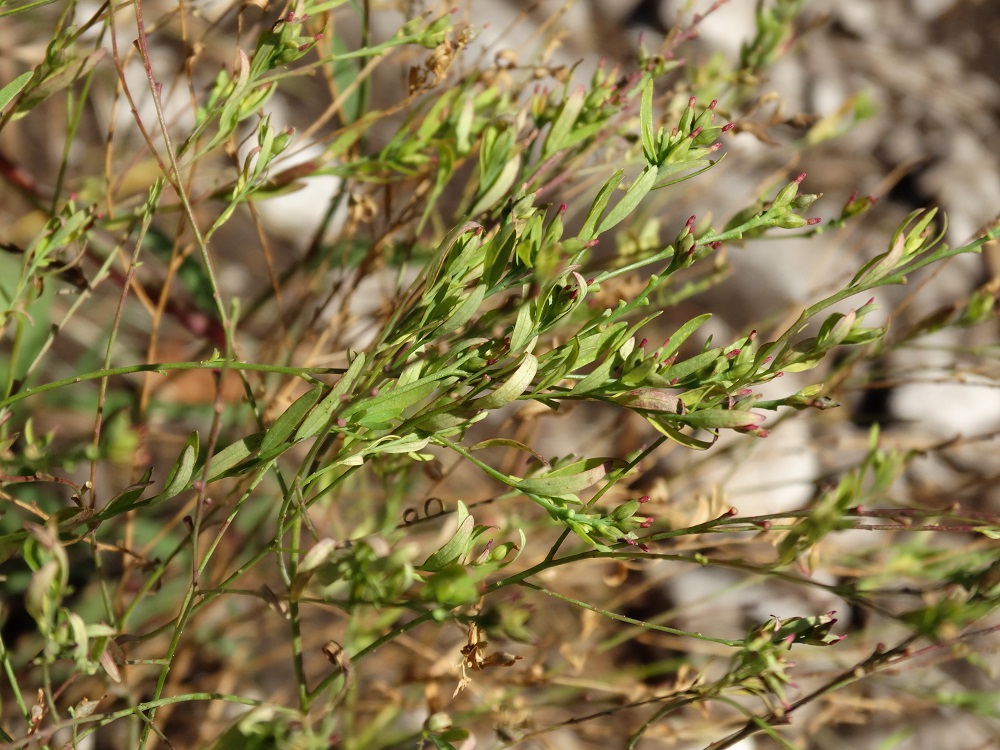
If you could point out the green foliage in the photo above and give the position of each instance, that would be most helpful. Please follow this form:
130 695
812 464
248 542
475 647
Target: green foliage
287 475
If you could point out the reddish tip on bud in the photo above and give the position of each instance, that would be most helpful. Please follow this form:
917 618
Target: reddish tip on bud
713 104
647 523
744 391
800 178
492 361
695 133
765 525
689 224
643 499
374 391
691 102
592 242
852 197
675 381
562 208
341 422
642 344
813 221
870 301
733 354
728 126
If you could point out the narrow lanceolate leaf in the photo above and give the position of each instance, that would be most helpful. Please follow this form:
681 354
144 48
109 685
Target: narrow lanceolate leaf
180 475
12 89
233 455
589 229
571 479
321 414
128 498
710 418
284 424
650 399
639 190
464 312
492 193
563 123
513 387
647 128
455 548
682 334
393 405
881 266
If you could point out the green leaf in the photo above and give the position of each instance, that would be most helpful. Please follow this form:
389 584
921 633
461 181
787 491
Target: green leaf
588 231
563 124
394 444
289 419
524 330
180 475
514 386
877 268
649 148
322 414
456 548
491 194
233 455
463 313
498 254
12 89
570 479
639 189
380 410
710 418
126 500
650 399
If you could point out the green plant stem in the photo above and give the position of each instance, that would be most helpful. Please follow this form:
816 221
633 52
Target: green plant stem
305 373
